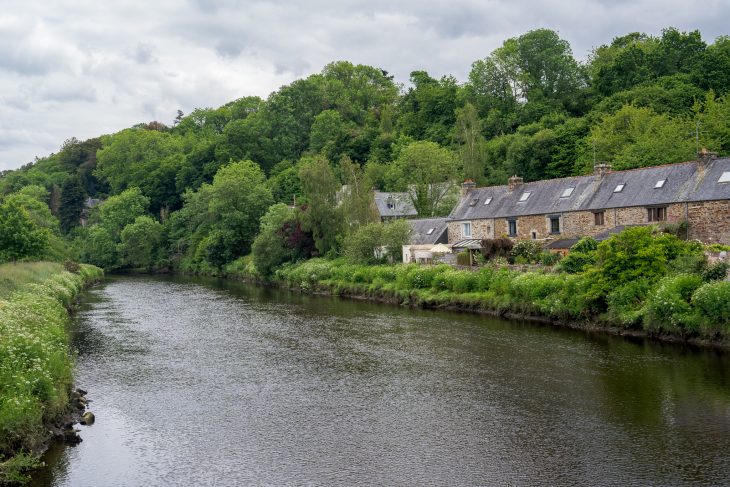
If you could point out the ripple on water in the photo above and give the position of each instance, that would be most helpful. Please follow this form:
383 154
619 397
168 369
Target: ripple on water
202 383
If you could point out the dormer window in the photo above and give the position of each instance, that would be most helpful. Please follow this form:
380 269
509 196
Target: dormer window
525 195
660 183
567 192
390 203
487 201
619 188
430 231
725 178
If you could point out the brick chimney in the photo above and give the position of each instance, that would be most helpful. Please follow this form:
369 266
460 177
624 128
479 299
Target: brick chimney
514 182
704 156
601 169
467 186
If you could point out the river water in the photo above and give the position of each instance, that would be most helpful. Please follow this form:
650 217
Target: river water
198 382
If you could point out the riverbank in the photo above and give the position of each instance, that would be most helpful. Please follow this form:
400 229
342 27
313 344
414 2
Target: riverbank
677 308
36 364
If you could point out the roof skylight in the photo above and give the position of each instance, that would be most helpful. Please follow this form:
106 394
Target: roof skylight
567 192
525 195
474 201
619 188
725 178
488 200
660 183
430 231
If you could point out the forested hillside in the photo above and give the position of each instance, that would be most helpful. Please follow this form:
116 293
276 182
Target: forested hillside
193 193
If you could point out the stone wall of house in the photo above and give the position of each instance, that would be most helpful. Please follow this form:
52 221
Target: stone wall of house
709 221
479 229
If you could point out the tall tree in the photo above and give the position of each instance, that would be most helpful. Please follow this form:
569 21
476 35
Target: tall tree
20 237
471 142
427 172
71 204
322 216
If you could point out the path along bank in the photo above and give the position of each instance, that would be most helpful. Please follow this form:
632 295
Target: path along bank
36 363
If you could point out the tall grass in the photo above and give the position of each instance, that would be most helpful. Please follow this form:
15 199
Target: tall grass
35 361
678 305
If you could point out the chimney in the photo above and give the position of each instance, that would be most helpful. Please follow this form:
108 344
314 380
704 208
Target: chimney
704 156
601 169
467 186
514 182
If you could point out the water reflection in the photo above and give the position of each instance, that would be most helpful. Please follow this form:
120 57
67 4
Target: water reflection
213 383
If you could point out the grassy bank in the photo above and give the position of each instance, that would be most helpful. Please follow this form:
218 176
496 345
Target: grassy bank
35 361
677 305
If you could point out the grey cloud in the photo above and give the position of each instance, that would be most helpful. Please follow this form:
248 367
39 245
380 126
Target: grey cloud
143 54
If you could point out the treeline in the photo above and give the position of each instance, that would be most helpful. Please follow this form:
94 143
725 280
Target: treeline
192 194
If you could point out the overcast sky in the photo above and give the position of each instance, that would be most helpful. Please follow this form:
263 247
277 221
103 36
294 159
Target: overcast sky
82 68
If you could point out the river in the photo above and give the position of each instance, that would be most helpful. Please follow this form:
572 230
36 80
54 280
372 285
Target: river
202 382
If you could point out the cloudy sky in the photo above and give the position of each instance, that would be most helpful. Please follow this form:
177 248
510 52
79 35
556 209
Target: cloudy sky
81 68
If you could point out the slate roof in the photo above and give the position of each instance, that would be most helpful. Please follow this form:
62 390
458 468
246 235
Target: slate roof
687 181
401 202
420 228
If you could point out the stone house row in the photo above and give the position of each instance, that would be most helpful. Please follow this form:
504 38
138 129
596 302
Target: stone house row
696 192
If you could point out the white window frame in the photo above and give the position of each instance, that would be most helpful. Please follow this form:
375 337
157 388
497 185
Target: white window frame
525 196
567 192
724 177
487 201
619 187
660 184
430 231
466 229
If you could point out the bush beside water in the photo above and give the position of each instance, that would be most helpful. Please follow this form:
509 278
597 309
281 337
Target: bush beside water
35 362
635 280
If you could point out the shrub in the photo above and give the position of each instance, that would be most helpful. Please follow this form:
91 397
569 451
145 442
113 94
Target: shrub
496 247
549 258
576 262
585 245
626 302
71 266
713 301
462 258
715 272
668 305
526 251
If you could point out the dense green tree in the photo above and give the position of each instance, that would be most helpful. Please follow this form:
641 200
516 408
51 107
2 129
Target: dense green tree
427 172
140 241
20 236
471 142
322 217
427 109
119 211
270 248
71 204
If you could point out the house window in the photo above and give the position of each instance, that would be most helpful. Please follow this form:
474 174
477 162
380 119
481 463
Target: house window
660 183
487 201
474 202
619 188
430 231
598 217
567 192
512 227
725 178
657 214
390 203
466 229
525 195
534 235
554 224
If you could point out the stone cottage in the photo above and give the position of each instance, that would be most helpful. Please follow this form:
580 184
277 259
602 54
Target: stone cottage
696 192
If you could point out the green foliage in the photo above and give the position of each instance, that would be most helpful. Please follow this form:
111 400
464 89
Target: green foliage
35 360
20 237
668 307
377 242
715 272
140 241
585 245
119 211
427 171
496 247
626 302
72 203
271 247
322 216
526 252
713 301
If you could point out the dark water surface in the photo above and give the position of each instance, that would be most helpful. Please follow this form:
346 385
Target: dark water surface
202 383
